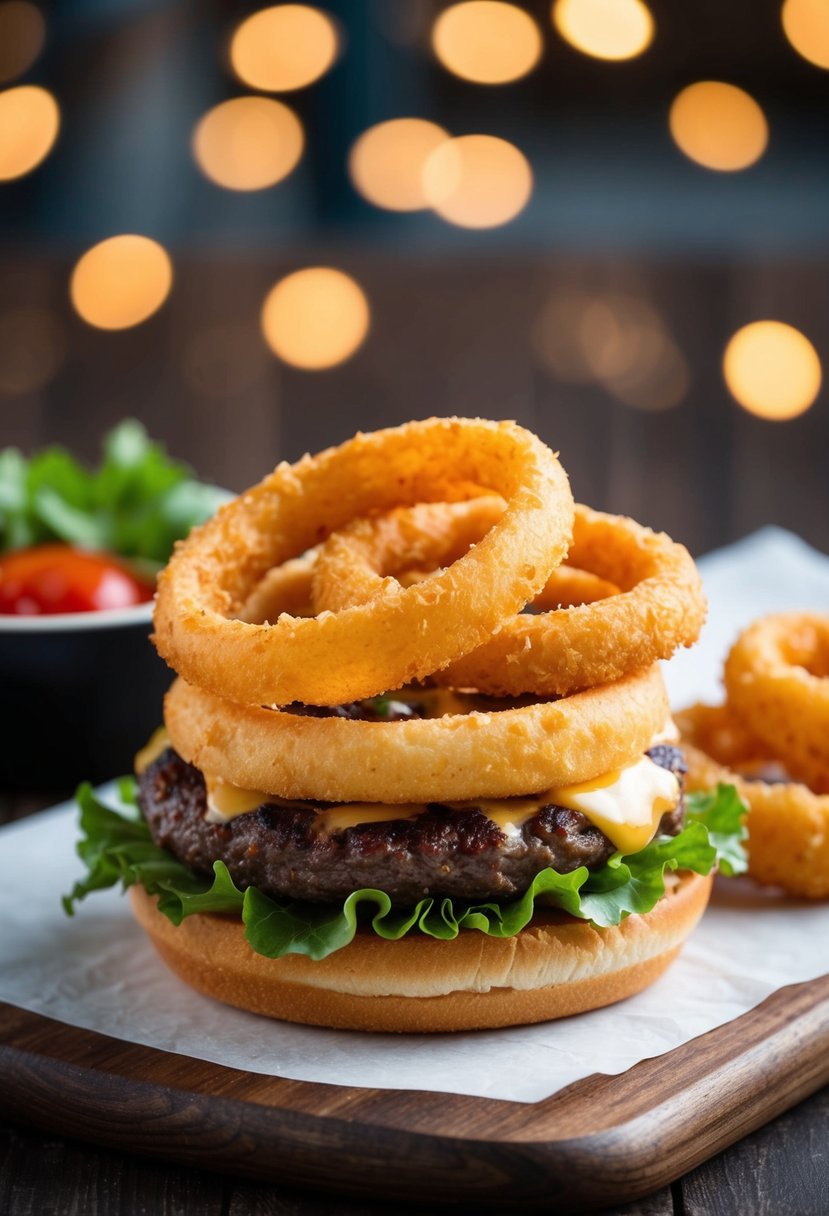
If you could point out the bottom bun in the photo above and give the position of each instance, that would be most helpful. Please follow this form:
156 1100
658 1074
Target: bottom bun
556 967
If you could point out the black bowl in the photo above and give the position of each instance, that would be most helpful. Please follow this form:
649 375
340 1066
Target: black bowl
79 695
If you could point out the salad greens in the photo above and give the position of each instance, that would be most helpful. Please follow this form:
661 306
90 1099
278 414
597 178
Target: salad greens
117 847
136 504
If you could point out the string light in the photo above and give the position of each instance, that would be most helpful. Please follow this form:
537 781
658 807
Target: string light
248 143
121 281
29 124
386 163
605 29
315 318
285 47
719 126
632 354
477 181
806 25
487 41
22 34
615 339
772 370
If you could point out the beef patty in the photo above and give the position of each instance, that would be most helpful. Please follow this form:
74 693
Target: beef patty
284 852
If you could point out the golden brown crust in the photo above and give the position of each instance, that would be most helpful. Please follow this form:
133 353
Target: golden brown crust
556 967
788 844
776 681
658 605
456 757
363 651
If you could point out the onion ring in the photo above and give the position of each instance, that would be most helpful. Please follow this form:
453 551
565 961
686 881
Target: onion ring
365 650
660 605
289 587
788 842
777 680
286 588
500 754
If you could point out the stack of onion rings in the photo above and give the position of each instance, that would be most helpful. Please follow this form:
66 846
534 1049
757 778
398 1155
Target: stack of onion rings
418 548
771 740
657 607
358 653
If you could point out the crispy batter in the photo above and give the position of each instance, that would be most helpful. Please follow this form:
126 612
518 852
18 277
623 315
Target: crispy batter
658 604
788 844
456 757
407 635
777 680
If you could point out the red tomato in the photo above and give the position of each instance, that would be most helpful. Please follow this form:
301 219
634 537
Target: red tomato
49 579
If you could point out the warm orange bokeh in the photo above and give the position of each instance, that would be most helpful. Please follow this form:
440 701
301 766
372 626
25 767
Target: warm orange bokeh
315 318
772 369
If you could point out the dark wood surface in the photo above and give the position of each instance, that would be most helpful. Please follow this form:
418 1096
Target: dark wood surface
782 1168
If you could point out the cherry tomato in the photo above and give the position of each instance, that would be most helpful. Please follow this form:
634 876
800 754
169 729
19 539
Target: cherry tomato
49 579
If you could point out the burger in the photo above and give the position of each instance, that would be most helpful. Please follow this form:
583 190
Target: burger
500 838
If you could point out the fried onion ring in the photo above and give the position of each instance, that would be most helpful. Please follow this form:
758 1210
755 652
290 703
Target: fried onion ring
788 843
289 587
364 650
777 680
455 757
660 604
286 588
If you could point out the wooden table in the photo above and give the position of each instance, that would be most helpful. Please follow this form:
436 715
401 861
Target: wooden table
781 1169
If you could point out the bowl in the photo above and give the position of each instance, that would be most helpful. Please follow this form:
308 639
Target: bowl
80 693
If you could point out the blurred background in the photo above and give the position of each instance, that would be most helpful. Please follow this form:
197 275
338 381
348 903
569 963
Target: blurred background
257 229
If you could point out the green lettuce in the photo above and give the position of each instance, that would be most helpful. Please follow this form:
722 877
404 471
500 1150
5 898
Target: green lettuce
116 847
137 503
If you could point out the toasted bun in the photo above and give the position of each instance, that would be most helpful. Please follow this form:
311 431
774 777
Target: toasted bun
556 967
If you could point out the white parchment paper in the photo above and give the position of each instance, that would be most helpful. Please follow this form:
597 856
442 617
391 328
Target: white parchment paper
99 971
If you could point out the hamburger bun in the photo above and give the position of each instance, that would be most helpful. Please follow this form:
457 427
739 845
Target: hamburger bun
556 967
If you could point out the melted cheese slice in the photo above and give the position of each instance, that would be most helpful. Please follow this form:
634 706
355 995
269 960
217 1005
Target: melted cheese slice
626 805
158 742
226 801
352 814
508 814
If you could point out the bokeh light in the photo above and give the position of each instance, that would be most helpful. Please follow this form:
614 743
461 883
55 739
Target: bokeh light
605 29
615 339
632 353
772 369
248 143
719 126
285 47
22 34
806 23
121 281
315 318
386 163
477 181
557 335
487 41
29 124
32 350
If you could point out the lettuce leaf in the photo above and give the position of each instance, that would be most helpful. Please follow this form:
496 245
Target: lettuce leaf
116 847
136 504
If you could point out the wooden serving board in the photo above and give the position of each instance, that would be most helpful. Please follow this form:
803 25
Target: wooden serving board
603 1140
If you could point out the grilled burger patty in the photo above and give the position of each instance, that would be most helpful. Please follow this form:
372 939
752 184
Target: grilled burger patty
285 853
